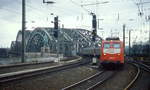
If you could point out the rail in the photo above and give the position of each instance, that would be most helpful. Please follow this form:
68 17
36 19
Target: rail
91 82
135 78
8 77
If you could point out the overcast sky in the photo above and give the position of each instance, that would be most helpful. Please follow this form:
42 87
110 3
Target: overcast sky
112 16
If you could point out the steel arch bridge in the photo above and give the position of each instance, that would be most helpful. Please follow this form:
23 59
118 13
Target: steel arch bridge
69 41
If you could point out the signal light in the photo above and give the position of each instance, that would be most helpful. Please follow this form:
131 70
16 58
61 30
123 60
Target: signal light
56 22
94 22
93 38
94 32
56 27
94 26
56 34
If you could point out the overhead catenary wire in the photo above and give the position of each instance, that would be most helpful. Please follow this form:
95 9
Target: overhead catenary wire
11 11
89 12
35 9
7 10
38 15
44 8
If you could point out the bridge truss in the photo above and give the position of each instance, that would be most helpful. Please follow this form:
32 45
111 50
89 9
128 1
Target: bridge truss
69 41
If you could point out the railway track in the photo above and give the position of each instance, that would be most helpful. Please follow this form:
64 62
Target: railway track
145 67
139 65
24 66
91 82
9 77
31 65
142 65
146 62
135 78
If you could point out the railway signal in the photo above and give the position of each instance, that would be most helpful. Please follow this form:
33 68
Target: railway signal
94 27
55 19
56 22
56 27
94 34
56 35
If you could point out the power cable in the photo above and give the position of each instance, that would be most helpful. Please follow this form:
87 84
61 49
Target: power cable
12 11
89 12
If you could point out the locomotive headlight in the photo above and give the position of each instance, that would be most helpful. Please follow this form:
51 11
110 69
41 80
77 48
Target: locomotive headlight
104 54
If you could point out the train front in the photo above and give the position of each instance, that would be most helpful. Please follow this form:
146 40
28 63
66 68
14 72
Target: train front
112 52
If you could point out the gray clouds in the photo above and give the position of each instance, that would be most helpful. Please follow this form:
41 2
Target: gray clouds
70 14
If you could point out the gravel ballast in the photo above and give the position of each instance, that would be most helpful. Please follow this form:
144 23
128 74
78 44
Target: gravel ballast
32 65
143 82
58 80
120 80
52 81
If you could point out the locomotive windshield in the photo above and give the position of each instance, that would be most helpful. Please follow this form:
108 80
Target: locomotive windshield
106 45
116 45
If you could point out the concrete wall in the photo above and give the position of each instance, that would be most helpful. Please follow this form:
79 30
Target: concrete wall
39 54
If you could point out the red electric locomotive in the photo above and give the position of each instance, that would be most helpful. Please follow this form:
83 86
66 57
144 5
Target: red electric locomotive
112 51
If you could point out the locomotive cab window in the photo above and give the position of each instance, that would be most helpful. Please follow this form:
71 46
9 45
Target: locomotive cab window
116 45
106 45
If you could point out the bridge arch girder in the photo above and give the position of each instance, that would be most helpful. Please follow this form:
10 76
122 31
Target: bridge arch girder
38 38
70 40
